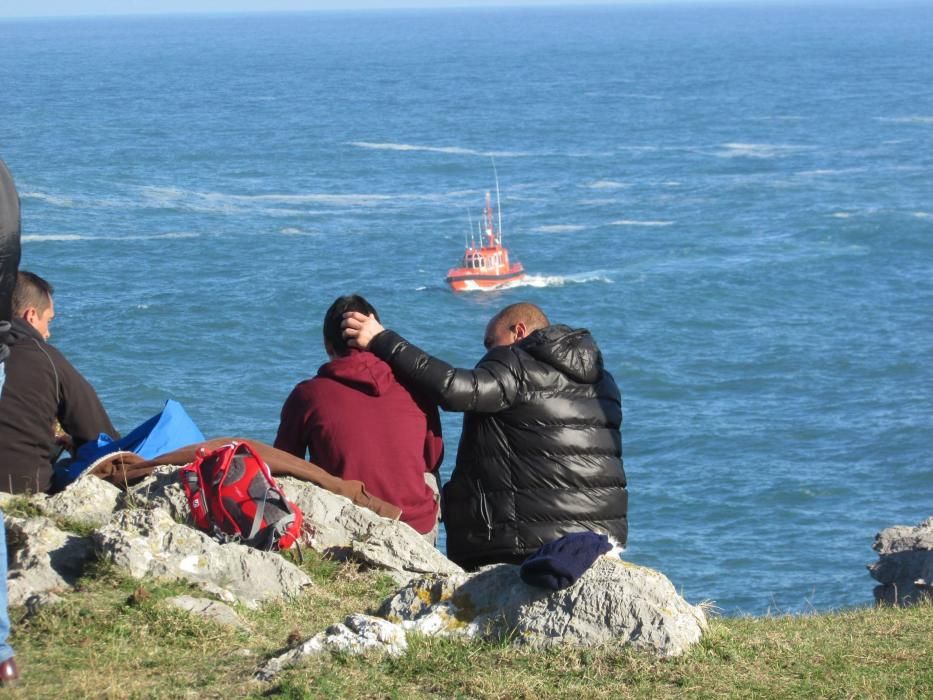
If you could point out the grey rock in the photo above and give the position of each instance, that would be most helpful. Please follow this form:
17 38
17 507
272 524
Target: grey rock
343 529
208 609
151 543
43 558
161 489
357 635
88 500
905 564
614 602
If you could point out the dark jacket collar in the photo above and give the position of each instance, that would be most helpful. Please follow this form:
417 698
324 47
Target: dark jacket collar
21 330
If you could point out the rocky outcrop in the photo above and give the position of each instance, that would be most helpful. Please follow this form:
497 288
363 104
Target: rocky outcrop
89 501
613 603
358 634
343 529
150 543
146 530
340 528
43 558
161 489
905 564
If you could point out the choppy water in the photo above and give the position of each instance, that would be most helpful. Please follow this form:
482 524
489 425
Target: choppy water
738 202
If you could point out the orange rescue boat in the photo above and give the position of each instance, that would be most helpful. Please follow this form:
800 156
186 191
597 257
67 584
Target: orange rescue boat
485 266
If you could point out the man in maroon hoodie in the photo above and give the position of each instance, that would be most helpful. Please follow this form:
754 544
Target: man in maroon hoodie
356 421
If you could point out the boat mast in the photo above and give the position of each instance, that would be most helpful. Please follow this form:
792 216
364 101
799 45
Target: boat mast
498 202
466 243
490 224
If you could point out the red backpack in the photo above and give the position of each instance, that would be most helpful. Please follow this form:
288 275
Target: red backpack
233 497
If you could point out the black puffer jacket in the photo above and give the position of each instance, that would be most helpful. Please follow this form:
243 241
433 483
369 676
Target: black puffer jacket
540 455
9 242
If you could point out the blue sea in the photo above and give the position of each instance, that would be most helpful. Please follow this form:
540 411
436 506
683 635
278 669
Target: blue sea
737 201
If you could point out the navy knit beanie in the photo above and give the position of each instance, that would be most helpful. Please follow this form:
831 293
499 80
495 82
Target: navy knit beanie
560 563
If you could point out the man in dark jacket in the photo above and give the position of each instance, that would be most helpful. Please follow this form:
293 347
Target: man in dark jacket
359 423
540 454
41 387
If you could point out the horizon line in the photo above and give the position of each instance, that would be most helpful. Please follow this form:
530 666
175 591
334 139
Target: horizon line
364 7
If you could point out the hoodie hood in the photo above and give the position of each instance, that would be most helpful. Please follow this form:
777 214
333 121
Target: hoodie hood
359 370
573 352
18 331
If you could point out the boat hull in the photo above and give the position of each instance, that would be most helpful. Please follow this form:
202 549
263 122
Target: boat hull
461 280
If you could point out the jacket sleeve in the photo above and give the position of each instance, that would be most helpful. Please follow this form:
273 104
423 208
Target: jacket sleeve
80 411
491 387
290 437
433 441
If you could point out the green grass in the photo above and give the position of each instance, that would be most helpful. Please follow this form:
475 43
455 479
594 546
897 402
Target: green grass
114 637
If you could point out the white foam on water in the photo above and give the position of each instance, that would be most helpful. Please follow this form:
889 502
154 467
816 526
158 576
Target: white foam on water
37 237
52 199
541 281
597 201
923 215
640 95
607 185
779 118
639 149
559 228
640 222
214 201
841 215
219 202
757 150
819 172
451 150
40 237
294 231
914 119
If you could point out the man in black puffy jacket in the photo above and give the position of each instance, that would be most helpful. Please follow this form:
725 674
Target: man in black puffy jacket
540 454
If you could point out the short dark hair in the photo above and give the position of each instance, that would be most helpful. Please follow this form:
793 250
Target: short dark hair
523 312
31 291
333 333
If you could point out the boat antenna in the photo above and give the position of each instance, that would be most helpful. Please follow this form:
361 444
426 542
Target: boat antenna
498 203
466 243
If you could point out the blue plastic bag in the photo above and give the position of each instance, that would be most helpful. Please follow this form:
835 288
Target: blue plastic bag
168 430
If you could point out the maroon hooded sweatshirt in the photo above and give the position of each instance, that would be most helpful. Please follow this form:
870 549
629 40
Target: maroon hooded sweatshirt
357 422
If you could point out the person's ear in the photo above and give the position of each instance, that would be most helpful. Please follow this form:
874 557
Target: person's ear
30 315
520 331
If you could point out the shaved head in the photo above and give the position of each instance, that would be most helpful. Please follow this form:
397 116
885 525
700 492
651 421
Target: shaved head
513 323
